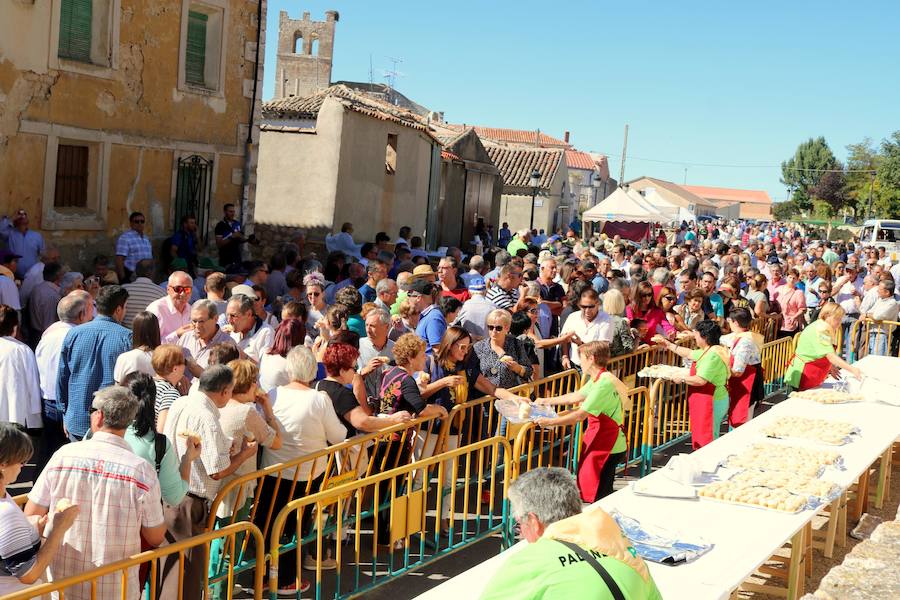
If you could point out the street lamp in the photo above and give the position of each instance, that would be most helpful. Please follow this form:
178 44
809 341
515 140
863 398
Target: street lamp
596 184
535 182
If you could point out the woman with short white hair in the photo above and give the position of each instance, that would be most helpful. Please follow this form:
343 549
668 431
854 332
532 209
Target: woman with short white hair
308 424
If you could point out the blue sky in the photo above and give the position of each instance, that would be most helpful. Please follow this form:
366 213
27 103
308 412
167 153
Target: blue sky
697 82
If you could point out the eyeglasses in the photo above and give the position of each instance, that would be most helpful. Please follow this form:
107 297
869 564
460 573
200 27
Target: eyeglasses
181 289
138 221
669 298
494 327
587 306
532 311
92 410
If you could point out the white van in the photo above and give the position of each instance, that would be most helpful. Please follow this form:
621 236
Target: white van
882 233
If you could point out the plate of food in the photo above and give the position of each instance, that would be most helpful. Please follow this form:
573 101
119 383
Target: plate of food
669 372
823 431
522 412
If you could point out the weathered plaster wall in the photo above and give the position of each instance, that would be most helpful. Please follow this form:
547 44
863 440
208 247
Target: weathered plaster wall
135 108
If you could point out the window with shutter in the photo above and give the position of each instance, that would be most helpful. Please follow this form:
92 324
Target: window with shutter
195 58
75 29
71 176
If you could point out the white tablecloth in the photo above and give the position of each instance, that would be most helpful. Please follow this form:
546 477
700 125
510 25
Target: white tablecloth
744 537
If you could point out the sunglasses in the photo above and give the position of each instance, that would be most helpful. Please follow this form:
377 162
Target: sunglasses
587 306
181 289
494 327
669 298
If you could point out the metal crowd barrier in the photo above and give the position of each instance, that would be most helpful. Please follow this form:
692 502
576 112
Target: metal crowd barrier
407 536
561 446
88 581
775 358
670 424
768 327
359 456
869 336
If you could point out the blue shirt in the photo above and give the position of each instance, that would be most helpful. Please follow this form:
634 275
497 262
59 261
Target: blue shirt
28 245
718 305
431 327
135 247
86 362
367 292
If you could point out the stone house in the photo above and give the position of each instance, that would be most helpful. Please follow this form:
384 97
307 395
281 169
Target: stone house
589 180
516 164
114 106
340 155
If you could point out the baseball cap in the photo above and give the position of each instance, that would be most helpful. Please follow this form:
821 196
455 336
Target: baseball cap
476 284
245 290
420 286
8 256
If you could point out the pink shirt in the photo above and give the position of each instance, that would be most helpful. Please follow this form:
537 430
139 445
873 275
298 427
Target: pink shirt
774 287
117 493
793 304
655 317
170 318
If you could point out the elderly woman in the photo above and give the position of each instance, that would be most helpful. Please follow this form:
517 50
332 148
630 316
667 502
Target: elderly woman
815 356
144 339
623 341
707 391
644 307
603 442
405 321
71 281
25 553
308 424
273 366
501 357
168 364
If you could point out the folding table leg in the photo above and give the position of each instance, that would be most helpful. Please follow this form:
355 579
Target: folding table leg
884 477
797 567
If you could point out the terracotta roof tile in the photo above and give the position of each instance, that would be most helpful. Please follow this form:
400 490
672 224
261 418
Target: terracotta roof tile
294 107
575 159
445 154
515 136
730 194
516 164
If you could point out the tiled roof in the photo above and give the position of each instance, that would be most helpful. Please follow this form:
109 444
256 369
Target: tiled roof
516 164
294 107
685 197
515 136
575 159
730 194
445 154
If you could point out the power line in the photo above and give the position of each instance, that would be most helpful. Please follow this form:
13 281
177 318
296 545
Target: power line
725 166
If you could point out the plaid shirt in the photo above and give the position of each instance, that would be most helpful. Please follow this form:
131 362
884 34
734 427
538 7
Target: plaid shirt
87 362
134 247
198 414
117 492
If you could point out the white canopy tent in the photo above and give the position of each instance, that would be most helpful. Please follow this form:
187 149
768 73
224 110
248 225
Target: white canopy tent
621 206
658 201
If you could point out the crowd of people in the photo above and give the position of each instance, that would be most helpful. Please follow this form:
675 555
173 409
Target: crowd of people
140 392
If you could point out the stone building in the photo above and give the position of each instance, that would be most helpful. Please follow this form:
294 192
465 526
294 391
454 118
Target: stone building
341 155
589 180
114 106
516 165
305 52
749 204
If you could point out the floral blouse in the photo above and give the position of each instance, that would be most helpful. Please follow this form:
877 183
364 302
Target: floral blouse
495 371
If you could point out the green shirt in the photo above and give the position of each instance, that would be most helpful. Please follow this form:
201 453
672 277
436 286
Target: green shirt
395 307
711 368
601 397
548 570
172 486
515 245
814 342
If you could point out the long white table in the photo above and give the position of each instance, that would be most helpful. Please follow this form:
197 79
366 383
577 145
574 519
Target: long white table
743 537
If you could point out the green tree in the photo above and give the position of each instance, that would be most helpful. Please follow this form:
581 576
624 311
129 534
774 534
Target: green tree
802 172
887 203
829 193
862 159
784 211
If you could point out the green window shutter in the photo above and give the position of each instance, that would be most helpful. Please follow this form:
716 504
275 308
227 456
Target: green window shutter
195 58
75 29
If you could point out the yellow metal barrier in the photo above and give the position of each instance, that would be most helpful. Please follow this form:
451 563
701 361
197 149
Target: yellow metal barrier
669 418
359 456
873 337
90 579
775 358
406 516
561 446
768 327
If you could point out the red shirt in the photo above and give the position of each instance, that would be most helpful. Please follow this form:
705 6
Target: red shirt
655 317
460 294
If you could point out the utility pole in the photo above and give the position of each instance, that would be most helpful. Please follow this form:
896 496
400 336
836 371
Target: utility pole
685 176
869 203
624 150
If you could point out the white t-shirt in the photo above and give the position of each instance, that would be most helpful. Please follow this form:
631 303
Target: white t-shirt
18 538
131 361
256 344
273 372
599 330
308 424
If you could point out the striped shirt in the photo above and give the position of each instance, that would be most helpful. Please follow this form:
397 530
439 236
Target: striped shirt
166 394
198 414
134 247
19 544
502 298
141 292
117 493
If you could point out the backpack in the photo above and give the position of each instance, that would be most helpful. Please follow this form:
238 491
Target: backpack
159 449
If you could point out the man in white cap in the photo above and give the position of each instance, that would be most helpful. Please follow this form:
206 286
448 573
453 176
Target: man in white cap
473 314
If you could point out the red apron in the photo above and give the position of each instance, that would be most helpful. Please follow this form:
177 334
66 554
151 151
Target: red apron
740 388
596 445
814 373
700 410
